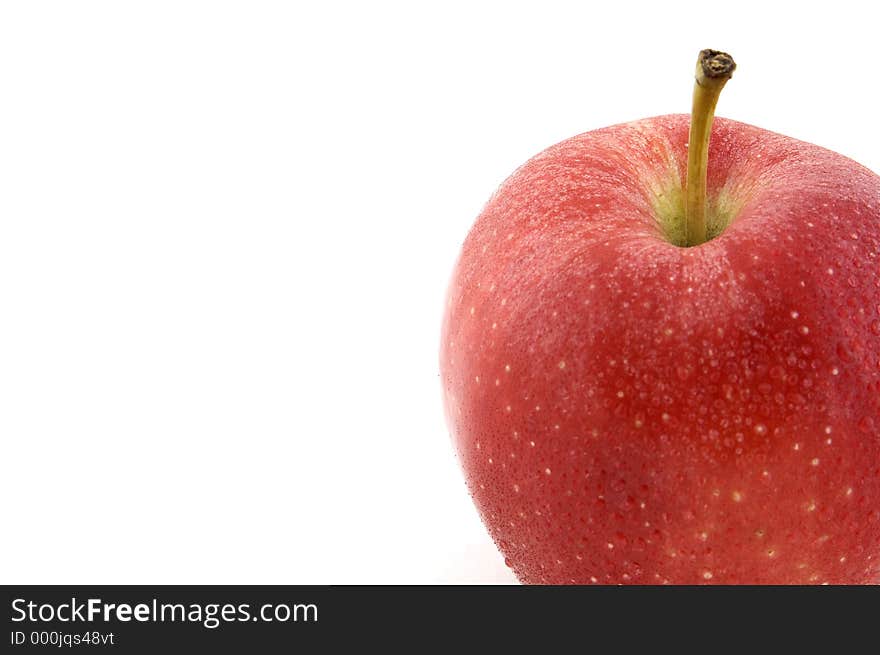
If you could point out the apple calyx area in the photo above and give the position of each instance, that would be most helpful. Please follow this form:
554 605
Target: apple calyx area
693 226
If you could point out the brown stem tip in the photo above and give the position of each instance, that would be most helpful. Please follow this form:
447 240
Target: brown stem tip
715 64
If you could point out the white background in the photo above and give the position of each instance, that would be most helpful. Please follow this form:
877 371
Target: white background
226 229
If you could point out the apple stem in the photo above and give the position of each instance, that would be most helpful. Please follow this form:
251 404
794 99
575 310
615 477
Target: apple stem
714 68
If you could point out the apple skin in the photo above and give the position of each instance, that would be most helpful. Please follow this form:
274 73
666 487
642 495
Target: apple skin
629 411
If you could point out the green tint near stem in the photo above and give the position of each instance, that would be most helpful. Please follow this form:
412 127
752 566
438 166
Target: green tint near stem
669 209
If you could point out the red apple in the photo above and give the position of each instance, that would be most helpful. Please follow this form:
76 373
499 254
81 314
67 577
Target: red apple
627 410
